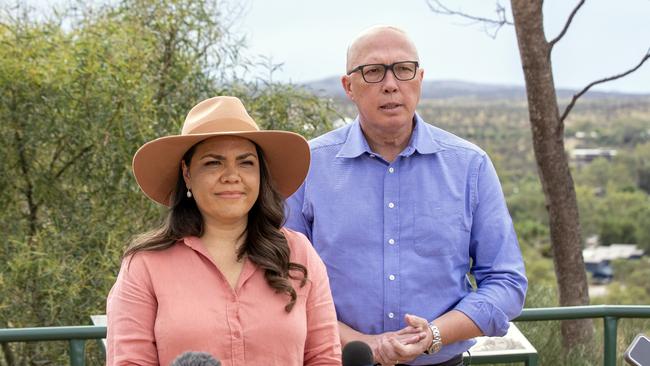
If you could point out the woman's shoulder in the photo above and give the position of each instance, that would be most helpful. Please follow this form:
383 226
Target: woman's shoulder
149 257
297 240
293 235
302 251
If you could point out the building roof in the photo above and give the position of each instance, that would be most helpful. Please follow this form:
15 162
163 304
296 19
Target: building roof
598 254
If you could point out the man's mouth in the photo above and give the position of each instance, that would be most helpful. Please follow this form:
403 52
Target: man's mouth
389 106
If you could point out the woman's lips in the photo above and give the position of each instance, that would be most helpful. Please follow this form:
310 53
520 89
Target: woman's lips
230 194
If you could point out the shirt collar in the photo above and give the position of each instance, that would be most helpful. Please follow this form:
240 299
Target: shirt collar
421 141
356 143
192 242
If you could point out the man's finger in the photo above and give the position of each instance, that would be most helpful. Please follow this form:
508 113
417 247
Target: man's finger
384 352
408 330
406 352
411 338
415 321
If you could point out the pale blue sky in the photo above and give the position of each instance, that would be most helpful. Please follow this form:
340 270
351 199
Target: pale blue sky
310 38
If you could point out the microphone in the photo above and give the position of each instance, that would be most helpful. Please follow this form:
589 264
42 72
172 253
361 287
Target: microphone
195 359
357 353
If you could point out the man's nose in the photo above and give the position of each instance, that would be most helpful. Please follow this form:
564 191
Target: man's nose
389 84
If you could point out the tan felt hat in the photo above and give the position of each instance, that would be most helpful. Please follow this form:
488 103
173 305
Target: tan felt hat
156 163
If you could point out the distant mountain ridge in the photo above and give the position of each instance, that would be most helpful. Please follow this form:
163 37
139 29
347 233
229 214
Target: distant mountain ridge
446 89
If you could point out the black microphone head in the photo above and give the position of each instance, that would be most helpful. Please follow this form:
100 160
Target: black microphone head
195 359
357 353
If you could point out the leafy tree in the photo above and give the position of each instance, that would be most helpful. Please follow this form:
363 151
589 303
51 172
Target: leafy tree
604 174
547 126
624 217
642 159
78 94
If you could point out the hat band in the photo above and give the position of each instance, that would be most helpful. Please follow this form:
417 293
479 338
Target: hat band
220 126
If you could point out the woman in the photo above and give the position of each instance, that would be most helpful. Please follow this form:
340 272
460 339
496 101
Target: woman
221 275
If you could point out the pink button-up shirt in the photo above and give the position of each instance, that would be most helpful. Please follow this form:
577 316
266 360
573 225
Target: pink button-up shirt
168 302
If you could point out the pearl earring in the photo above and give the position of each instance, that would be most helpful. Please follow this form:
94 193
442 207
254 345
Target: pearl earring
189 194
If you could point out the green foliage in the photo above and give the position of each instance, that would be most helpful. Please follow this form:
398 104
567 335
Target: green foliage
606 175
526 202
625 218
630 285
75 104
545 335
641 161
76 101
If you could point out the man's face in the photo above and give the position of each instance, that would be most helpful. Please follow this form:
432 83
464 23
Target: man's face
389 105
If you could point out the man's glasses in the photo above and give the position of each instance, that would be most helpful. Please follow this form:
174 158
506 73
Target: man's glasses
375 73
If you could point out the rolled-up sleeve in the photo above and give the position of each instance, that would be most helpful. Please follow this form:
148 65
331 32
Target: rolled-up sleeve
498 265
131 310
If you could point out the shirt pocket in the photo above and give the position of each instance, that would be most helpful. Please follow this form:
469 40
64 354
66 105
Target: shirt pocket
437 231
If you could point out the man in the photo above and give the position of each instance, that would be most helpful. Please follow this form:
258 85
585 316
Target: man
400 211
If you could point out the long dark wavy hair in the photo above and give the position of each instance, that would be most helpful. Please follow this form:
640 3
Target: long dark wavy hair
264 243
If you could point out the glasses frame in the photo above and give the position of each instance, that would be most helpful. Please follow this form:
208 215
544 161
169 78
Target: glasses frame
386 68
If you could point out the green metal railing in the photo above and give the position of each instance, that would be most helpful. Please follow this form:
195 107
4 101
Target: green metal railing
610 314
77 335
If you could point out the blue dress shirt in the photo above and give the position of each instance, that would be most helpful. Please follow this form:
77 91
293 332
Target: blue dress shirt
399 238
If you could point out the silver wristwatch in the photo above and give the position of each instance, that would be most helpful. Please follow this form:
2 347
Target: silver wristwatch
436 343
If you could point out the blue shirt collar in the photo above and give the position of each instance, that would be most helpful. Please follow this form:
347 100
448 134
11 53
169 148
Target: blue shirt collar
421 141
355 144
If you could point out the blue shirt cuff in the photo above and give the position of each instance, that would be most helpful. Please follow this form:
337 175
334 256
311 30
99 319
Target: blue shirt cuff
490 319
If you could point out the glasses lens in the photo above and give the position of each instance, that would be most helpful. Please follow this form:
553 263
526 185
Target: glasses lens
404 70
373 73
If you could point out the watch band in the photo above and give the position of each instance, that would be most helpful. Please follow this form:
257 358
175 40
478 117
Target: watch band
436 342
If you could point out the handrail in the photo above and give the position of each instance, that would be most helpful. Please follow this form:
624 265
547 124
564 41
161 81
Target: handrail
52 333
609 313
77 335
584 312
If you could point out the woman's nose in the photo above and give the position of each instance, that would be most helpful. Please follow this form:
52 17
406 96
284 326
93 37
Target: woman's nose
230 174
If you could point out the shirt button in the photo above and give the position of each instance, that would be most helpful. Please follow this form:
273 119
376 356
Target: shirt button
391 205
391 277
391 170
236 334
372 155
391 241
391 315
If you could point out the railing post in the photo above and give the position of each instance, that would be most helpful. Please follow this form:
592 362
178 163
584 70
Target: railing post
77 352
611 324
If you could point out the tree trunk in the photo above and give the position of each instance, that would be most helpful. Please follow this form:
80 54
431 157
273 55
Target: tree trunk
8 354
553 166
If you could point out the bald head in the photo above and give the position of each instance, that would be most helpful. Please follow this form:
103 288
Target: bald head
373 39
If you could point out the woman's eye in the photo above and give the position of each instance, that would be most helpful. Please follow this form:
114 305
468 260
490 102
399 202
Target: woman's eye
248 162
213 162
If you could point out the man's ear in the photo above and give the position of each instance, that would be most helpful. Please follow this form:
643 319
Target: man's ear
347 86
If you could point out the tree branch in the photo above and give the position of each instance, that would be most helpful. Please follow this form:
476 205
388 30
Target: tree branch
604 80
437 7
8 353
566 25
73 160
57 152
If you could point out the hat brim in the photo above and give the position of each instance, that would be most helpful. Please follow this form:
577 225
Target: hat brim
156 163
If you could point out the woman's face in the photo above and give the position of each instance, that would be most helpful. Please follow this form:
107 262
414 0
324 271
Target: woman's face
224 177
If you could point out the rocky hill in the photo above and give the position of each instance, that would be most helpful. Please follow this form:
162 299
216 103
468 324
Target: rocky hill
448 89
